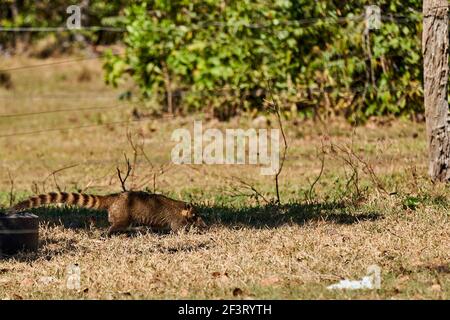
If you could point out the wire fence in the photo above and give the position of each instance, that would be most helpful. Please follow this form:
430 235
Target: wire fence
302 23
124 122
63 96
305 22
54 63
241 93
62 129
195 26
37 113
61 29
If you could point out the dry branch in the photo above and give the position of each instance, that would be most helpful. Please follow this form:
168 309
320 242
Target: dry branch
11 191
322 165
53 174
119 173
276 109
252 188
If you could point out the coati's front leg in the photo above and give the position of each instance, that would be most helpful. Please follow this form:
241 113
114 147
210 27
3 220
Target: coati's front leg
117 228
120 221
177 227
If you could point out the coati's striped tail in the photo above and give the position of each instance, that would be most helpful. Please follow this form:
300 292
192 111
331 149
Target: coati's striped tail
76 199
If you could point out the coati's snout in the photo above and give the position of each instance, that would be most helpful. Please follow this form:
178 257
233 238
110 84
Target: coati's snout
199 223
192 218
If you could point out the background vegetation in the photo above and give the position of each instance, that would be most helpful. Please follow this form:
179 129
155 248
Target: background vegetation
28 13
218 56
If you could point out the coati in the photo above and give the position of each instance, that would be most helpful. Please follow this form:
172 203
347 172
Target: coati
124 208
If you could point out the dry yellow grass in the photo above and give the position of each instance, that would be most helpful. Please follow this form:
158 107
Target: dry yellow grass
291 252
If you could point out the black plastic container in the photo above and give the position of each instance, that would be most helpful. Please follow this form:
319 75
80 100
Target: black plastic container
18 232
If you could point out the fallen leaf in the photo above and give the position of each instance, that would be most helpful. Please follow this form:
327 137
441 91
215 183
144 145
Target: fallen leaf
398 289
4 281
403 278
270 281
47 280
237 292
184 293
436 288
17 297
27 282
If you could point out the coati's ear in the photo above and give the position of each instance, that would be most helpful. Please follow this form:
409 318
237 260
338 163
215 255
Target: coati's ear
186 213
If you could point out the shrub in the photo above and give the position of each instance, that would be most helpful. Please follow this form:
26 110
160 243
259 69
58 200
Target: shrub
215 57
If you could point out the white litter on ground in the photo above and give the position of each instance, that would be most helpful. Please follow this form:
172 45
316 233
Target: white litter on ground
371 281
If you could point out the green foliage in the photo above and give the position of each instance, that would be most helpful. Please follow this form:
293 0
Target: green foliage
46 13
219 57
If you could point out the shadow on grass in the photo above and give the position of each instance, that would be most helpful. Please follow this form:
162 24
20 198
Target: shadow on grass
71 217
295 213
254 217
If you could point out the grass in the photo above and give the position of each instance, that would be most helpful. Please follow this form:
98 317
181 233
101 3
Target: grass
294 251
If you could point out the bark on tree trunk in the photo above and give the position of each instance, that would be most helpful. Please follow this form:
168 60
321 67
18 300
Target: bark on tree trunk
435 58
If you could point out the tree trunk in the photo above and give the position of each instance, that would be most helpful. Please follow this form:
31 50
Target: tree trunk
435 59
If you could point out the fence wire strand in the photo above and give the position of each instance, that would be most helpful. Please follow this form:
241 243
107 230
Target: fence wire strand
301 23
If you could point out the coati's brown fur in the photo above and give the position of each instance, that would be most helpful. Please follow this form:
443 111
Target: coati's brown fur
124 208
